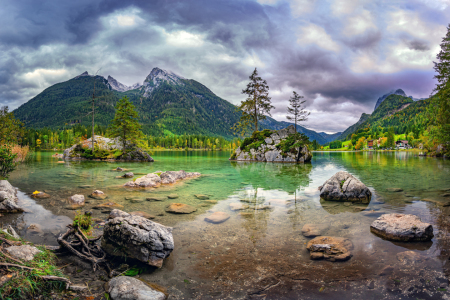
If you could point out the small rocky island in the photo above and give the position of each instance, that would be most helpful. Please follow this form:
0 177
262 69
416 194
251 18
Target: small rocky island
106 149
284 145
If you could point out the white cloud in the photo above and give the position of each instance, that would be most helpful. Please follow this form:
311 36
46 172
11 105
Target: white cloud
302 7
183 39
344 7
44 77
359 23
253 61
314 34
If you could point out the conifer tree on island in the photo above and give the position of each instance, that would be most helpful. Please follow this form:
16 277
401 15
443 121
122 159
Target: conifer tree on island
125 123
443 90
257 104
296 112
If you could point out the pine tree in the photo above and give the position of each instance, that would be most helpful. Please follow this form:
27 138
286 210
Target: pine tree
257 105
443 89
296 112
125 123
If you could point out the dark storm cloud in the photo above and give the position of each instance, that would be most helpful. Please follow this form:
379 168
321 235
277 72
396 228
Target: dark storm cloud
219 43
417 45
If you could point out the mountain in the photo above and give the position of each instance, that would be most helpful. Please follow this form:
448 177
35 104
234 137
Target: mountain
120 87
166 103
397 111
321 138
382 98
354 127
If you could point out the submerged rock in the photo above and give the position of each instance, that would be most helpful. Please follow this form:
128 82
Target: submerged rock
394 190
172 196
40 195
342 186
128 175
330 248
98 195
156 198
180 208
142 214
138 238
201 197
238 206
217 217
34 229
76 199
118 213
108 206
312 230
8 198
155 179
410 258
24 252
402 227
129 288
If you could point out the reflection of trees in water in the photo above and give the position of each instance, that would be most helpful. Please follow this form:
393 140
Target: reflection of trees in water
280 176
267 177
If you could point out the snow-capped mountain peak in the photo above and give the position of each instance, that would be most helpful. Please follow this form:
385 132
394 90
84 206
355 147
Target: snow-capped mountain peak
157 76
115 85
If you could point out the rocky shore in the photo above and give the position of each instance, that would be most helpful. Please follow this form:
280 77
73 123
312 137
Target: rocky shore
106 149
285 145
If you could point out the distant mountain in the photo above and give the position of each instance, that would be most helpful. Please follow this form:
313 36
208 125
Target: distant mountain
382 98
321 138
396 111
166 103
120 87
354 127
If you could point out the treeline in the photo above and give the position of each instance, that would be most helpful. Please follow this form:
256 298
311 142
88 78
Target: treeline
61 139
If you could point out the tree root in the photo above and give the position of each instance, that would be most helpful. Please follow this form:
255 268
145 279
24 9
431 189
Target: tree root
79 245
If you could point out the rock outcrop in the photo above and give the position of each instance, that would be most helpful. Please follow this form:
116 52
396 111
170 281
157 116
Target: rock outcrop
402 227
131 153
8 198
342 186
129 288
139 238
330 248
155 179
24 252
269 149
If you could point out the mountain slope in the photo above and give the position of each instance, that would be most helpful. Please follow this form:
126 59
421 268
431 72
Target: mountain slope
321 138
166 103
354 127
382 98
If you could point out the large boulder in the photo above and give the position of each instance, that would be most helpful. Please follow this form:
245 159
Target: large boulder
343 186
139 238
8 198
269 150
330 248
131 153
155 179
76 199
129 288
402 227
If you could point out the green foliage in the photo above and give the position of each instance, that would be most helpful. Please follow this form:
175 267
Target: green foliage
27 283
11 129
336 145
442 100
7 164
83 221
134 271
117 153
255 140
292 143
125 123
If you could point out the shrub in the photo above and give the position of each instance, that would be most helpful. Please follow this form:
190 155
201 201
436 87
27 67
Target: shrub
7 161
255 140
292 142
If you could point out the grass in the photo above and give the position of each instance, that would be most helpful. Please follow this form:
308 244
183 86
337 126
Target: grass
28 284
84 222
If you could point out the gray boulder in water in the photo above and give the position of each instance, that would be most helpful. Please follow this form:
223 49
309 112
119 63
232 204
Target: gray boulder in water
129 288
8 198
402 227
343 186
139 238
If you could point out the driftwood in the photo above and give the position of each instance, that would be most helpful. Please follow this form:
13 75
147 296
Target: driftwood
79 245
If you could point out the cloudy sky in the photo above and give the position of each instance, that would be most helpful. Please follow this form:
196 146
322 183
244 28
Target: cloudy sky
340 54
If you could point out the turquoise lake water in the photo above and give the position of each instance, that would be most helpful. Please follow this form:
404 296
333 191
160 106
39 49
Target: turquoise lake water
226 260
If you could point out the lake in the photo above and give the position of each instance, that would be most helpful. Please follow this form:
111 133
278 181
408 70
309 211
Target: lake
260 252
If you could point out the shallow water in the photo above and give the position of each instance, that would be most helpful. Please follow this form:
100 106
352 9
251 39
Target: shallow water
259 252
